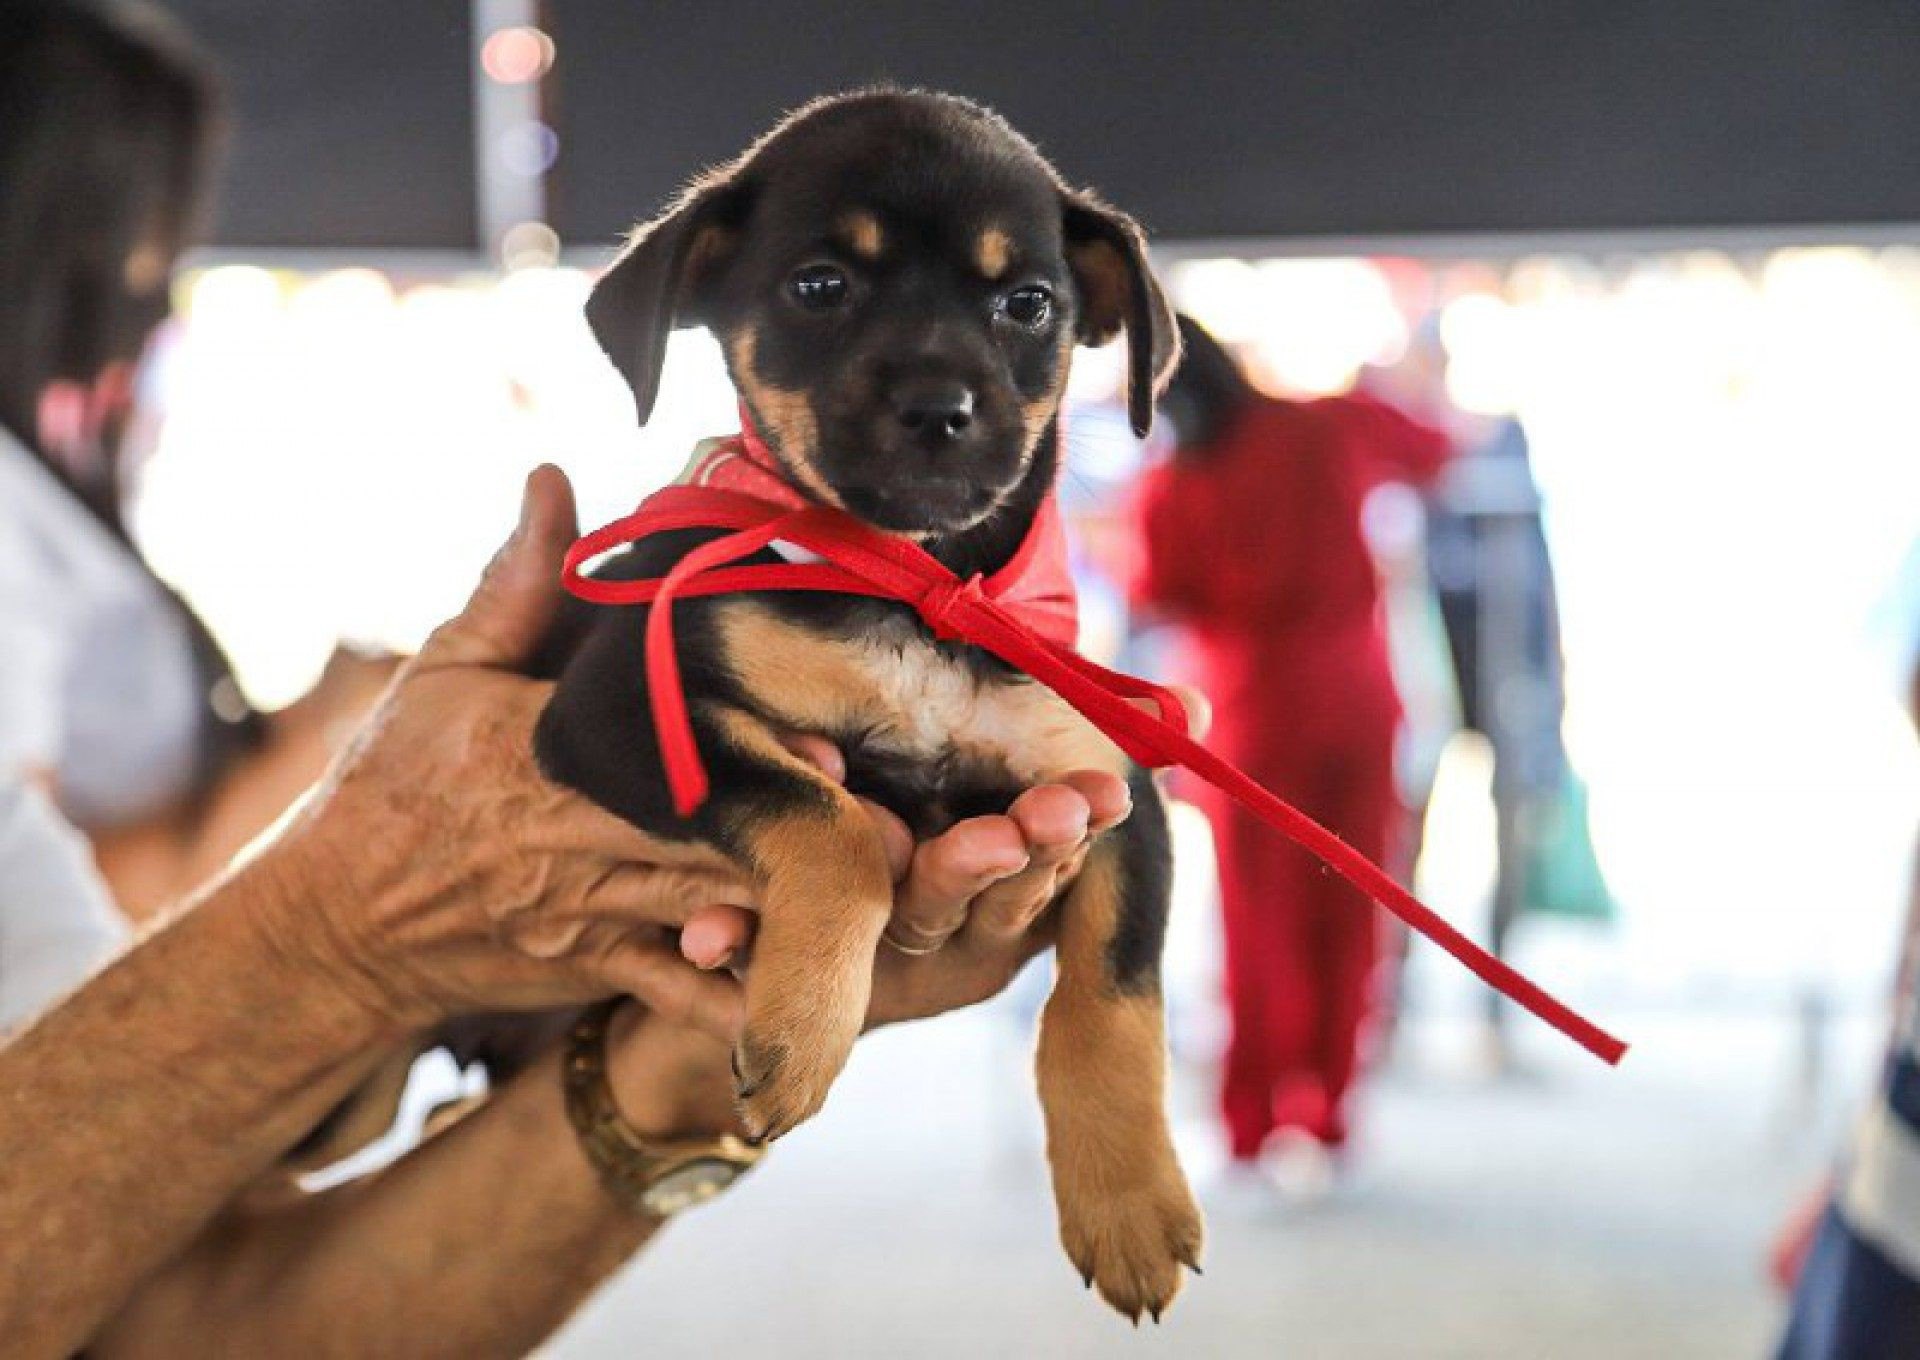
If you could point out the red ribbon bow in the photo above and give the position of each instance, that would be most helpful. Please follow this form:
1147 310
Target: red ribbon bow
856 559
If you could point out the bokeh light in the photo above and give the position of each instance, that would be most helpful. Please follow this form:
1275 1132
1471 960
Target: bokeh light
1303 327
515 56
528 149
529 245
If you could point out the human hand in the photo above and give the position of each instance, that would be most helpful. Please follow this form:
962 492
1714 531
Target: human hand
973 905
974 899
965 902
436 871
969 898
970 903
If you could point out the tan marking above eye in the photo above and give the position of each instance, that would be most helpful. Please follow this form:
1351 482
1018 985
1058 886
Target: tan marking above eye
993 252
862 233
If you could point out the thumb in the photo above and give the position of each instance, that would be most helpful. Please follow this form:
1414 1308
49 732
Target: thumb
511 608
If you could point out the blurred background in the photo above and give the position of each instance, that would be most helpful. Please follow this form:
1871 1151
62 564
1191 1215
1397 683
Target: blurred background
1673 247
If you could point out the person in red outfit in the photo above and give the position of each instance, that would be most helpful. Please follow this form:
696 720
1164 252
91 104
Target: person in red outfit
1251 539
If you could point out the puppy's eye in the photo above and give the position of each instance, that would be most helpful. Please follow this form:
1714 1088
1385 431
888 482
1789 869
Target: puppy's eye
1031 306
818 287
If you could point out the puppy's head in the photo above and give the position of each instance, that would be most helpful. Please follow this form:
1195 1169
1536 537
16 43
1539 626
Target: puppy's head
898 281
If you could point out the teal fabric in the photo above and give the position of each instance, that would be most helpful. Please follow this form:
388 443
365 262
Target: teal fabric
1561 873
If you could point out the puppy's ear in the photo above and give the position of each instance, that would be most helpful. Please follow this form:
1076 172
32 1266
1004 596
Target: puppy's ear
661 280
1107 252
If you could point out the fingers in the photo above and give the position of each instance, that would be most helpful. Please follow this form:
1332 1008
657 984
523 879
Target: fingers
894 837
714 937
567 821
1051 816
563 820
818 752
994 875
653 971
1055 820
662 894
831 761
514 602
948 872
1107 797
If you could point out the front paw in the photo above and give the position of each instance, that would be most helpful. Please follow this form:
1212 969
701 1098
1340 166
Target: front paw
786 1062
1132 1240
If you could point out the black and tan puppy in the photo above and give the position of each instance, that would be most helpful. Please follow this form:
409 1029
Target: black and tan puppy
898 281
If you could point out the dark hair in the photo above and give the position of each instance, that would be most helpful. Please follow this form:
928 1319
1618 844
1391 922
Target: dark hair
108 122
1207 391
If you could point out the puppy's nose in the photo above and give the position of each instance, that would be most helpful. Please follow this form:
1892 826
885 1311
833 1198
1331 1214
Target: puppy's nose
936 410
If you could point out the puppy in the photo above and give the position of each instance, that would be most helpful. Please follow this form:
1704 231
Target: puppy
898 281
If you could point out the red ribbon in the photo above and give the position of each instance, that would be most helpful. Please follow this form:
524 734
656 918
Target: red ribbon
859 560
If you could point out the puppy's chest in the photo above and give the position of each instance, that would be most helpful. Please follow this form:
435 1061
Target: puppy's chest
927 730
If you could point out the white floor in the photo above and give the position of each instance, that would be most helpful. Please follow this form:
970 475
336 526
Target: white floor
1576 1213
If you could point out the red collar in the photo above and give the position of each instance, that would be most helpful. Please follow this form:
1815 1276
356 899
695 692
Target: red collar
848 557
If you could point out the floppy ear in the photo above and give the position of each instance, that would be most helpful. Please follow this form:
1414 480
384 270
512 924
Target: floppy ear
660 281
1107 252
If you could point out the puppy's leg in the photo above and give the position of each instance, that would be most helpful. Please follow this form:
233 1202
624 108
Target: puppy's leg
826 892
1127 1218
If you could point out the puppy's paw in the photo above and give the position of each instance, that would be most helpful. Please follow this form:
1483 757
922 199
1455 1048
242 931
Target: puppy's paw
783 1071
1133 1242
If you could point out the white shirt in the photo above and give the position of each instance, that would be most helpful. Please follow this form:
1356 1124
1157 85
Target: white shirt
97 677
57 923
97 687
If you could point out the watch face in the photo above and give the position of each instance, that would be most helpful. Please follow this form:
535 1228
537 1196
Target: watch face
685 1186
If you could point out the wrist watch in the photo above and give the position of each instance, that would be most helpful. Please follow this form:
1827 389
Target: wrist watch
658 1177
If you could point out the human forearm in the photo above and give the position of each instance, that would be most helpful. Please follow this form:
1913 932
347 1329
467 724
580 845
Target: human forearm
133 1111
480 1243
434 873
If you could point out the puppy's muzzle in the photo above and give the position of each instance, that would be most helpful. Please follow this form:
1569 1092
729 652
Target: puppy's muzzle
934 413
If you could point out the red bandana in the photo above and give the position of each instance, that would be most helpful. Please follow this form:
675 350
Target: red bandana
1022 614
1036 584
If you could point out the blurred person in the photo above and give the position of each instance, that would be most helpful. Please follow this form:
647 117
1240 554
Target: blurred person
114 697
1850 1253
1252 540
1492 574
434 873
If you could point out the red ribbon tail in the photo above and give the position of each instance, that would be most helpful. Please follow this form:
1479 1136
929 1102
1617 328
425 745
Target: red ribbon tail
1103 695
672 725
1370 879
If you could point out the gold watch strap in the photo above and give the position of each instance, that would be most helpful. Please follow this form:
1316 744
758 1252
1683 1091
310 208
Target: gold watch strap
629 1163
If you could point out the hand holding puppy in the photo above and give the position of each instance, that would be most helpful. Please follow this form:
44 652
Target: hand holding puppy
467 882
585 905
967 914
